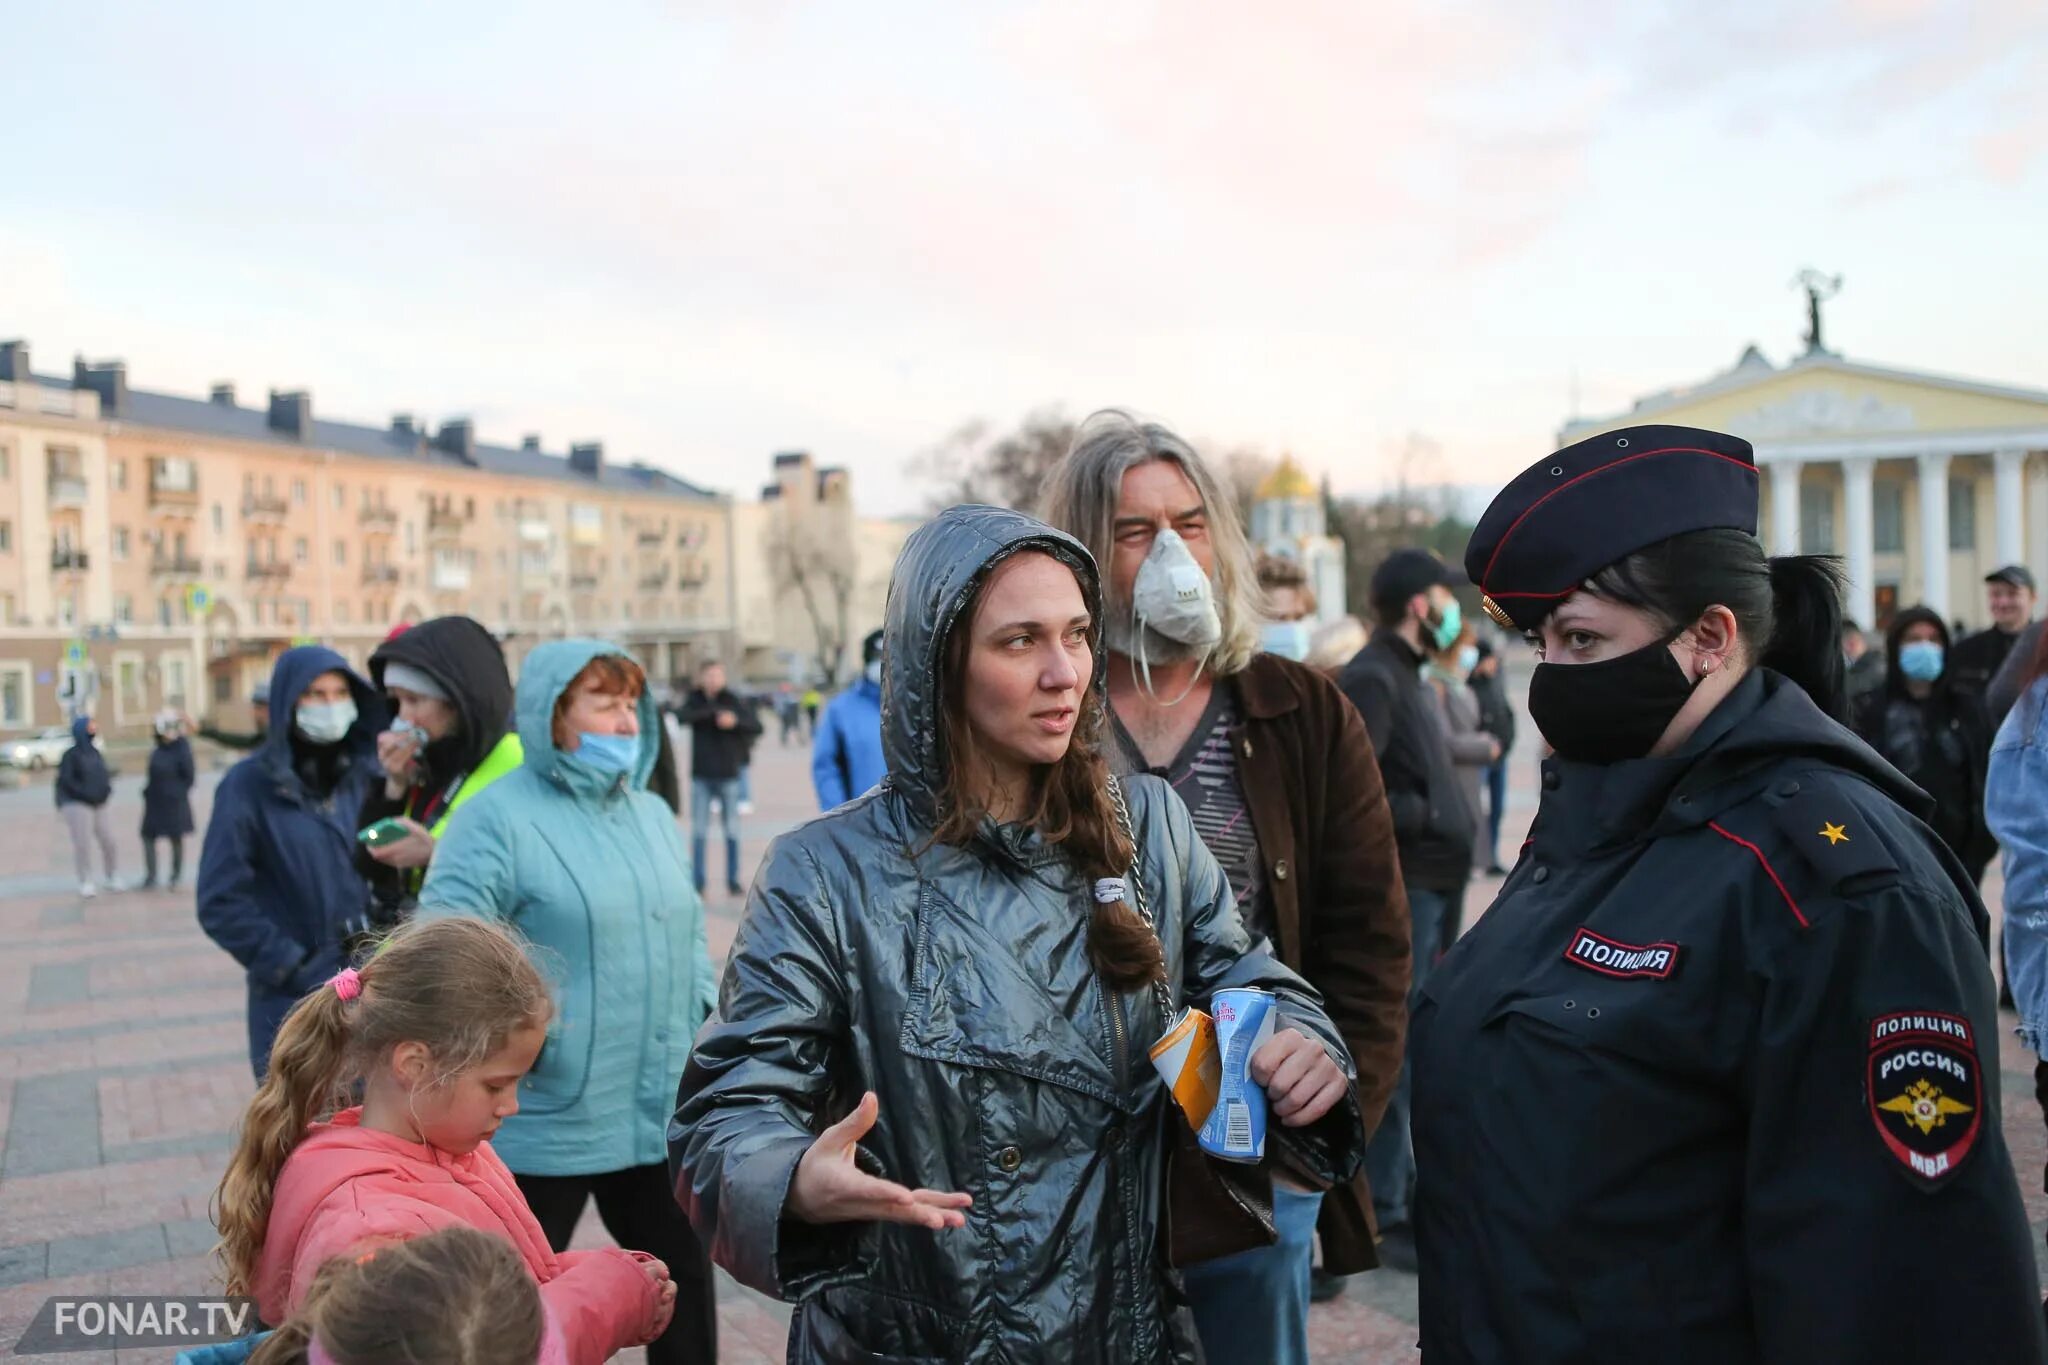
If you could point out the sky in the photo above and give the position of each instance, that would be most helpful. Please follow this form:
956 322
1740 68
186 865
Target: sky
706 232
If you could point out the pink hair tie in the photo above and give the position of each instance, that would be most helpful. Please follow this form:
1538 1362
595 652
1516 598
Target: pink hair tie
347 983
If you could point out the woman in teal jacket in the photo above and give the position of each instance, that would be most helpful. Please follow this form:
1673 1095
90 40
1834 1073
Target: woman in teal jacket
575 853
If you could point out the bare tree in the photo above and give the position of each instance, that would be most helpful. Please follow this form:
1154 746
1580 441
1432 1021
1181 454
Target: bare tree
822 576
1009 471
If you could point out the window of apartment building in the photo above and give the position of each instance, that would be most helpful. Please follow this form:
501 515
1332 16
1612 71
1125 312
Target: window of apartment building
7 617
223 687
1887 517
220 569
219 523
6 464
6 537
177 686
163 611
131 697
269 486
341 613
298 492
340 498
119 471
341 554
248 485
1962 514
300 551
411 546
120 542
124 608
15 696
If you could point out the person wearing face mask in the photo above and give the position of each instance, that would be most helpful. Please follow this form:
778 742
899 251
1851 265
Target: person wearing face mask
450 738
84 786
1929 727
1290 608
1433 824
1717 1074
574 852
847 757
1276 769
278 886
1473 749
1497 718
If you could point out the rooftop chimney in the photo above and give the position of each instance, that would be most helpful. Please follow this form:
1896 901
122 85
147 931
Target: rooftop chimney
587 459
530 441
458 438
223 394
14 362
109 380
291 414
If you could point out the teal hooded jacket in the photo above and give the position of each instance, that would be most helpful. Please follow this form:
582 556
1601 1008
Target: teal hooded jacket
591 868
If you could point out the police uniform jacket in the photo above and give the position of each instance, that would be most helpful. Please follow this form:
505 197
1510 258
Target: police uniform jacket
1715 1079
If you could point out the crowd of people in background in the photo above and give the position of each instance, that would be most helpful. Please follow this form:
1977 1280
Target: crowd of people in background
481 994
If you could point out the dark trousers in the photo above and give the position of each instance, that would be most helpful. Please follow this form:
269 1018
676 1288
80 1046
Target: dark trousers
1390 1154
177 859
639 1211
1496 806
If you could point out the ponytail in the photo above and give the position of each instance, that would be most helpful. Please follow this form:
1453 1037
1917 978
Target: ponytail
1806 628
307 1064
460 986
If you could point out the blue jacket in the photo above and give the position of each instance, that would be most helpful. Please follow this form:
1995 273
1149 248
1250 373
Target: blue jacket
224 1353
2016 807
82 775
278 887
846 756
590 867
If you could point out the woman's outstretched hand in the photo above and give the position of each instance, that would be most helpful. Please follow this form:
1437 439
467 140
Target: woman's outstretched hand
1301 1081
830 1188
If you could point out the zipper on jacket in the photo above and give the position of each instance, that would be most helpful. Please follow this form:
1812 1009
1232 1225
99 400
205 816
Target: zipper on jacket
1120 1059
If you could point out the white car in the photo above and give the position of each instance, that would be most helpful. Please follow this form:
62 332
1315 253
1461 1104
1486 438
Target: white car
37 751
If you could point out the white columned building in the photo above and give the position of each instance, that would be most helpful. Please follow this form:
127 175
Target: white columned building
1922 483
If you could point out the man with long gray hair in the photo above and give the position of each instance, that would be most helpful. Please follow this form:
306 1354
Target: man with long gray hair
1275 767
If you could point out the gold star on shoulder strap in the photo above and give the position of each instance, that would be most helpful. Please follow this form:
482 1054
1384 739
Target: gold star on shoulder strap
1834 834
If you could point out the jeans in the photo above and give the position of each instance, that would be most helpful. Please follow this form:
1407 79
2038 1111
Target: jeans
639 1210
703 792
1496 804
1252 1307
1390 1156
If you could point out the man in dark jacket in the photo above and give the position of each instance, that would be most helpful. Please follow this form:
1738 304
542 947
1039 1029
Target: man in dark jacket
1497 718
83 788
450 738
722 727
1278 773
1433 825
1977 658
278 886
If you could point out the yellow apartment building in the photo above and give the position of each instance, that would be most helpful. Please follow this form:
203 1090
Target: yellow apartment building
159 551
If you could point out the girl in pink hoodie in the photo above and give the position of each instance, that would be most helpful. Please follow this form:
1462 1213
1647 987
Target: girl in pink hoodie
439 1027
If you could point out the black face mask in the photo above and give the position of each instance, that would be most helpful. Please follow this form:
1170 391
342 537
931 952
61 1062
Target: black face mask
1612 710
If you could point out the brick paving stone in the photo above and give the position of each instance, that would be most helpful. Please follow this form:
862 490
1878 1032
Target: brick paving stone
135 1246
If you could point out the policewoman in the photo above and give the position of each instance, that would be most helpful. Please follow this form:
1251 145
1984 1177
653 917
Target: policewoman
1715 1079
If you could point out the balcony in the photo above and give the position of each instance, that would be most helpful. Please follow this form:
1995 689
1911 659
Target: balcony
383 519
66 560
175 566
445 523
535 571
654 582
275 570
583 580
375 575
692 576
261 507
450 578
67 490
173 501
650 540
534 531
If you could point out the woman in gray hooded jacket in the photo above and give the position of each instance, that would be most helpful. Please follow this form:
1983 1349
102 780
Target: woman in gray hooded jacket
923 1109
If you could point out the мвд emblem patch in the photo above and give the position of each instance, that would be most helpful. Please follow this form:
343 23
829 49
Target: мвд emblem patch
1926 1096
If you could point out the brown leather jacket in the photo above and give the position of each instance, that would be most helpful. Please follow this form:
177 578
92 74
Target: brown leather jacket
1339 913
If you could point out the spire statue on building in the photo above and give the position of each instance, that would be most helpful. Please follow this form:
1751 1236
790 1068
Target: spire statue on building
1819 289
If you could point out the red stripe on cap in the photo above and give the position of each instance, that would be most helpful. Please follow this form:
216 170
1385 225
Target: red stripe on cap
1776 881
1529 511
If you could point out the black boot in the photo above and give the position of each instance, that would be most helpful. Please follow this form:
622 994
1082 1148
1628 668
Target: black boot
732 867
148 865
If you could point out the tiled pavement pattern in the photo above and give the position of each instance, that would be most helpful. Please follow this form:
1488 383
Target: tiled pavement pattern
122 1073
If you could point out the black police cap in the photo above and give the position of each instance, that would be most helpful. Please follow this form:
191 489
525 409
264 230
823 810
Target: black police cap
1567 517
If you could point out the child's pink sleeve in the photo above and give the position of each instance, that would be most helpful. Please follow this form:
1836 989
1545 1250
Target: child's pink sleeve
348 1228
603 1302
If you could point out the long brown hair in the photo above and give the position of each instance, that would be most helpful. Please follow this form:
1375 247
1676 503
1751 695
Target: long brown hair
1070 807
454 1297
460 986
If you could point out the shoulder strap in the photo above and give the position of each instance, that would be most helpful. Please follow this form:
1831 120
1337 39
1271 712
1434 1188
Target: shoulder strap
1109 891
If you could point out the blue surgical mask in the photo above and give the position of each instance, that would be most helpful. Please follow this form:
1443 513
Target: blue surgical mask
1449 625
325 722
609 753
1468 659
874 672
1922 660
1288 639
